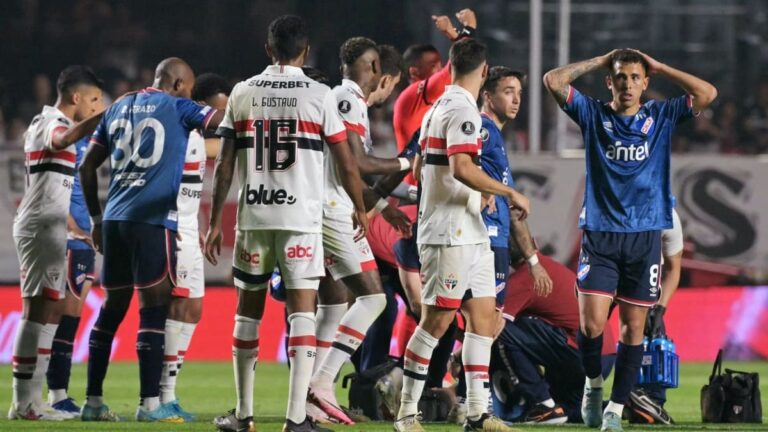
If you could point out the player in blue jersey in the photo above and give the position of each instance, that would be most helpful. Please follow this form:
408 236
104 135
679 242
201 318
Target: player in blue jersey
145 136
81 259
502 96
627 203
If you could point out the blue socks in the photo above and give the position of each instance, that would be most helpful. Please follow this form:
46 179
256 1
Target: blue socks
628 362
591 352
61 353
150 349
100 347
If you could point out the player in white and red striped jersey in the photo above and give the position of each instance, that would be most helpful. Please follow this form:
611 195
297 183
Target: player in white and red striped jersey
454 250
187 303
349 261
40 232
276 126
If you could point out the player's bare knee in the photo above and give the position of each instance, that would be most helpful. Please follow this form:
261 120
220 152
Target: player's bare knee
435 321
592 328
193 311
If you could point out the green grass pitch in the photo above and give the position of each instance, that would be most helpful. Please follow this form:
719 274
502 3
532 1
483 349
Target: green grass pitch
206 389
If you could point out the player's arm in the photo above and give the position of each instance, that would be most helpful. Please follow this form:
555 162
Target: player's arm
222 181
370 165
464 170
558 80
89 183
521 235
703 92
212 147
66 137
411 282
349 175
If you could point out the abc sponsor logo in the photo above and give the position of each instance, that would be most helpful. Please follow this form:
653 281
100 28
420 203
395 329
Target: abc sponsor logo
298 252
251 258
263 196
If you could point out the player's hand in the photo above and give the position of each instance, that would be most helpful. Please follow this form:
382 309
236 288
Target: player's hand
542 283
654 322
213 244
606 58
96 237
654 66
467 18
488 202
360 223
520 202
398 220
444 24
201 240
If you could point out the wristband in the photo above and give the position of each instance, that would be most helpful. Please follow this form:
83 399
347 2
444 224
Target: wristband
405 163
96 220
466 32
533 260
381 204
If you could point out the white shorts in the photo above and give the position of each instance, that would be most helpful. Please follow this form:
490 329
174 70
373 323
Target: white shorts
43 265
343 255
449 273
190 273
672 239
256 252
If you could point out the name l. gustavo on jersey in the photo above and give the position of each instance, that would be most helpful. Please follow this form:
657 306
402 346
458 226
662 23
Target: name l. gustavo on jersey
632 153
266 196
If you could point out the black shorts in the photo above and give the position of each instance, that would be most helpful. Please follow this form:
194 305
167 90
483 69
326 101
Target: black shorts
80 266
137 254
624 266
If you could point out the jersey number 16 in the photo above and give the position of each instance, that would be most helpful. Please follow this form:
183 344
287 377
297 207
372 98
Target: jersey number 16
280 143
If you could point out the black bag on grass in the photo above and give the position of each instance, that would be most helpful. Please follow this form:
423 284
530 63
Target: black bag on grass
731 397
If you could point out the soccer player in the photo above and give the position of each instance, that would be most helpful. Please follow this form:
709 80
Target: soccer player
502 95
81 259
457 262
187 296
349 261
145 137
420 95
646 402
40 232
275 128
627 202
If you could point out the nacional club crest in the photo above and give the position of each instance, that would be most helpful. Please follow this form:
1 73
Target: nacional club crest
647 125
484 134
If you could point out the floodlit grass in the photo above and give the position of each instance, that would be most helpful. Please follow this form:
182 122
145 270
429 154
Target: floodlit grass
206 389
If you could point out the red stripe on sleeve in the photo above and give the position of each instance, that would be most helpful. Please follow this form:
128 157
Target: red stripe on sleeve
355 127
337 137
462 148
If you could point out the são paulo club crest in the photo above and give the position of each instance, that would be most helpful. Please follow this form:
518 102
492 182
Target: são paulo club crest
450 282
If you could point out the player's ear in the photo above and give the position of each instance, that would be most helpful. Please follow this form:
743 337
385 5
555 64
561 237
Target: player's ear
609 82
76 97
646 80
485 70
268 50
413 73
178 83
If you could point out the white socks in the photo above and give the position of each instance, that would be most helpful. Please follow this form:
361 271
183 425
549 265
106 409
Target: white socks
349 336
301 354
328 318
595 382
170 361
476 356
245 353
615 408
417 355
25 361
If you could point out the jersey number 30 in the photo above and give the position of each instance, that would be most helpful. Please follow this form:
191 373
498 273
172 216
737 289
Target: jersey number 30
128 144
280 143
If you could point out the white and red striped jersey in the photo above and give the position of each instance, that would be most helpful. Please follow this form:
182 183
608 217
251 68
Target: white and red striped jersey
353 110
449 210
280 120
188 201
49 176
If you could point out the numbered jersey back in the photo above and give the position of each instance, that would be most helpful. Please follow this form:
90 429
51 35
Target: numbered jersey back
146 136
280 120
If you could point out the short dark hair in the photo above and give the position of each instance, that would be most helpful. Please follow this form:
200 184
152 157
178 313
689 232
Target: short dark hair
391 60
315 74
628 56
413 53
73 76
210 84
287 37
467 55
497 73
353 48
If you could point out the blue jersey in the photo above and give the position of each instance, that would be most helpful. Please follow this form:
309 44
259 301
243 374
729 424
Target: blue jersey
627 186
494 162
77 208
146 136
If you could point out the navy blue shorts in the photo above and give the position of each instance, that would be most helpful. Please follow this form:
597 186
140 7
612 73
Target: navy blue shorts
80 266
137 254
624 266
501 272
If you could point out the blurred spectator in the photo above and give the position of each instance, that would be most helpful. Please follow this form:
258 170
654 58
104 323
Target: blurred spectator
756 122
